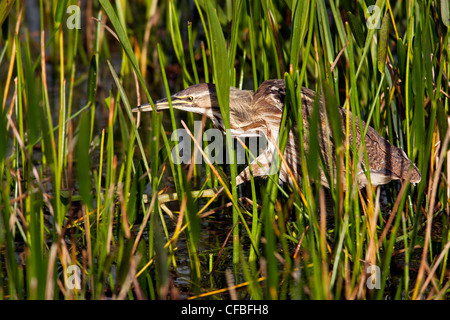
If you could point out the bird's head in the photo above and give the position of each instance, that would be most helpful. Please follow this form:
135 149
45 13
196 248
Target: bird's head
200 98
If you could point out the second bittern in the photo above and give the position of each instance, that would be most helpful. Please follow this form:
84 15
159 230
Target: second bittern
259 113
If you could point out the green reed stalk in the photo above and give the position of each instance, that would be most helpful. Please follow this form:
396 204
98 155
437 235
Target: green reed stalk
222 81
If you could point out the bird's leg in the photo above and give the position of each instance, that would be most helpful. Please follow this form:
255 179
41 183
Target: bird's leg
261 167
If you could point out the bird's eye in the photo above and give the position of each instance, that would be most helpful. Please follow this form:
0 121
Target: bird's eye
190 98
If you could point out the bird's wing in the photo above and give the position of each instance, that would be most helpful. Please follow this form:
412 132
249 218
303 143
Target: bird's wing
271 93
389 157
385 159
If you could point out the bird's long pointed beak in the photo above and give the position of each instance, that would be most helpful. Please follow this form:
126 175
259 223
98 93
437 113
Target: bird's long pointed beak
162 104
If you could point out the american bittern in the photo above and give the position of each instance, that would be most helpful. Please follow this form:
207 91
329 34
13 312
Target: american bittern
260 112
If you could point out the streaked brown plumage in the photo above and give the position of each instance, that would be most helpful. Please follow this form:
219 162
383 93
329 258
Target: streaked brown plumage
259 113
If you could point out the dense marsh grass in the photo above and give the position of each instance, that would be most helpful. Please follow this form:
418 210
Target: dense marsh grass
85 182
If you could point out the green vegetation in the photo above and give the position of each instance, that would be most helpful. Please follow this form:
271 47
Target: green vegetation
84 184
